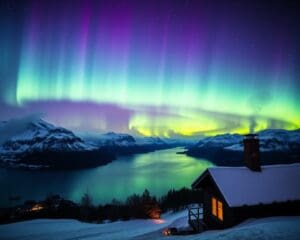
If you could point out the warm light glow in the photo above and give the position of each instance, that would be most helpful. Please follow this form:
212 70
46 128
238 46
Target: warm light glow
167 232
217 208
154 212
37 207
170 231
220 210
214 206
159 221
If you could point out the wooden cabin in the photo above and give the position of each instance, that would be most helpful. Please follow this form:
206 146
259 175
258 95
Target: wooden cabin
234 194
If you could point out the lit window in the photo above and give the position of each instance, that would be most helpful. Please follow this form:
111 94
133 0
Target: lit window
220 210
214 206
217 208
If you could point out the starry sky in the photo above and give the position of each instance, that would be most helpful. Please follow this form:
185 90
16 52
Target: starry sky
167 68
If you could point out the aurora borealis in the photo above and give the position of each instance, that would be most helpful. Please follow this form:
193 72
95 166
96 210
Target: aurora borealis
164 68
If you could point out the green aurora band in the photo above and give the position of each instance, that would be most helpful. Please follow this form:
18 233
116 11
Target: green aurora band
197 76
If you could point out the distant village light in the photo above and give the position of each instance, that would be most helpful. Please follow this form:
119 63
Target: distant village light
37 207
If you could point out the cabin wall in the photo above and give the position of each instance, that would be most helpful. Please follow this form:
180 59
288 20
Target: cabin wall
290 208
211 221
233 216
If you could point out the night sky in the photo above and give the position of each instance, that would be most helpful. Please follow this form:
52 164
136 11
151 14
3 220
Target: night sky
164 68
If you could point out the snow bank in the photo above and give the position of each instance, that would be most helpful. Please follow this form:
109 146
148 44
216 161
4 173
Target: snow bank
275 228
263 229
46 229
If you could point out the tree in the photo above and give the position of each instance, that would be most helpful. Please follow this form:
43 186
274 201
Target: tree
86 200
150 205
86 209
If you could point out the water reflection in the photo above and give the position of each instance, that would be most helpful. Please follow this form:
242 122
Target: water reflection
157 171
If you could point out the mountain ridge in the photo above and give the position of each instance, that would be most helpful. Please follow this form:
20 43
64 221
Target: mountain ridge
276 146
39 144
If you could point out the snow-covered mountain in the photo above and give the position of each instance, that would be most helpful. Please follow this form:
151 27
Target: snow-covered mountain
269 140
39 135
109 139
220 141
124 144
120 139
273 140
150 141
38 144
276 146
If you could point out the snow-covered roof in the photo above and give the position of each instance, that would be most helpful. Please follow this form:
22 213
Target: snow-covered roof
241 186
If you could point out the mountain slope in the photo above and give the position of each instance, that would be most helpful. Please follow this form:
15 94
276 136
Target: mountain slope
40 135
123 144
273 140
36 143
39 144
276 146
109 139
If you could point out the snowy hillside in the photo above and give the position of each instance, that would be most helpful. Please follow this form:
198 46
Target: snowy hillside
110 139
38 144
285 228
220 141
123 144
276 146
122 140
274 140
150 141
39 135
270 140
33 143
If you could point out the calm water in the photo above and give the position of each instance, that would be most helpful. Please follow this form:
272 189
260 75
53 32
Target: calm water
157 171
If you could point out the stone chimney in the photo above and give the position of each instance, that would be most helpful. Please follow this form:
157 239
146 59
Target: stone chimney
251 152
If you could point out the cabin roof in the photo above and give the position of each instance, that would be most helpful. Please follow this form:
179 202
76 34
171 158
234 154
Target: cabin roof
241 186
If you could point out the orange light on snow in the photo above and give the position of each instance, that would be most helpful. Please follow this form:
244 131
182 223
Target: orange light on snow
167 232
158 221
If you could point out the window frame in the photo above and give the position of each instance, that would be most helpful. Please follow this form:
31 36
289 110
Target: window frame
217 208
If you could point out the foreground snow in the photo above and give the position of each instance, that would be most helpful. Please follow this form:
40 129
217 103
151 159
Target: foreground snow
275 228
42 229
268 228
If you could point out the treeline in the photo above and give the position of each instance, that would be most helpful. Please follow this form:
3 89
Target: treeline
135 206
138 206
176 200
